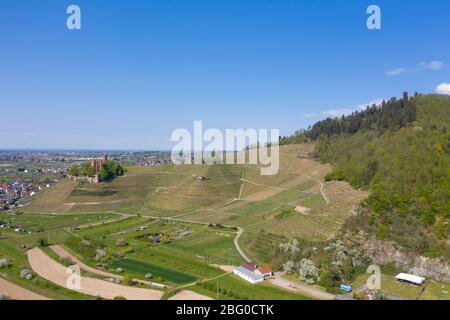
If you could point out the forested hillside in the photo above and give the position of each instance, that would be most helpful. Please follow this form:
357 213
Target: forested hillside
399 151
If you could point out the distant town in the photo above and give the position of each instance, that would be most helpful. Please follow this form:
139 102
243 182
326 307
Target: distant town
25 173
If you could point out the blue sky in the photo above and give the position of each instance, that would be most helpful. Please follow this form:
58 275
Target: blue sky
137 70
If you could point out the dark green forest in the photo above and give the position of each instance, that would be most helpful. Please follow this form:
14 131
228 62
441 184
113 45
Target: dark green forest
400 152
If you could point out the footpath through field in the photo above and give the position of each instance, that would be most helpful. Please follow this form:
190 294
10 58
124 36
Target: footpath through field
16 292
321 185
238 248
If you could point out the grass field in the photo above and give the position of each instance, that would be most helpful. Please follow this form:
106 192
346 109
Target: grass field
42 222
180 260
140 268
110 228
231 195
53 199
431 290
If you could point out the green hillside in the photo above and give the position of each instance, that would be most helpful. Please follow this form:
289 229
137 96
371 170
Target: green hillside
400 152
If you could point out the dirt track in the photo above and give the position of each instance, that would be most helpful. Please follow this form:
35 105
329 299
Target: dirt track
236 244
55 272
15 292
189 295
302 289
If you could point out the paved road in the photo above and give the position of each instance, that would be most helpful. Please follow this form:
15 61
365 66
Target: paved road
302 289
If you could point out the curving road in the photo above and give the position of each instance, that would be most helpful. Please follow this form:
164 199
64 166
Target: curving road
236 244
299 288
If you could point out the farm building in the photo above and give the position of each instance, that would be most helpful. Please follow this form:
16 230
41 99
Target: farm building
252 273
265 272
248 275
184 233
410 278
250 266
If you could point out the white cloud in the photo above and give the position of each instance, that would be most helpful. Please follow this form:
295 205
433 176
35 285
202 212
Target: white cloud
346 111
363 106
396 72
309 115
443 88
338 112
421 66
432 65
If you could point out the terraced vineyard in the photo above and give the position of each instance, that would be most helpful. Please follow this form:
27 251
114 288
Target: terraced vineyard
293 203
261 245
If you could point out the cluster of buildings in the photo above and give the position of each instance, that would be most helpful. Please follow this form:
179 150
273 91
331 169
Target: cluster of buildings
252 273
155 238
16 189
153 162
7 193
12 192
15 227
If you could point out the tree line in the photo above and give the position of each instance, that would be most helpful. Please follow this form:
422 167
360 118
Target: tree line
390 115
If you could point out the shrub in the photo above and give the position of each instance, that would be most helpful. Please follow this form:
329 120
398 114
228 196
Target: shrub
26 274
120 298
43 242
121 242
127 279
308 271
289 267
4 263
128 250
3 296
99 253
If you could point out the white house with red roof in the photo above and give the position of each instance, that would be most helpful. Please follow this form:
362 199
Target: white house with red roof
252 273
